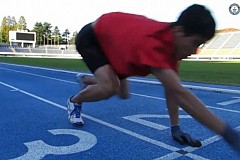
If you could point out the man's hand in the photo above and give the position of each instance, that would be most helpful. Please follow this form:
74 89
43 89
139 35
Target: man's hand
184 138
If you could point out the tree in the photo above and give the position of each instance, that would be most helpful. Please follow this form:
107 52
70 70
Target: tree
22 24
56 35
8 24
4 30
65 36
44 34
1 40
47 32
38 28
11 23
72 39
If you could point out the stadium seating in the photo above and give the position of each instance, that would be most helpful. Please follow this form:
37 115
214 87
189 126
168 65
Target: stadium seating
41 51
223 46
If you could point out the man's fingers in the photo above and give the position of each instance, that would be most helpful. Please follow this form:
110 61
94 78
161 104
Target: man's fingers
184 138
190 141
179 140
196 143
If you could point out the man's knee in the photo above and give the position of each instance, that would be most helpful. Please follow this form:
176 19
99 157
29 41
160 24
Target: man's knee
110 88
107 80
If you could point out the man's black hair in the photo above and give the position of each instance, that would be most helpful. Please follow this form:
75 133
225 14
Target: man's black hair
196 19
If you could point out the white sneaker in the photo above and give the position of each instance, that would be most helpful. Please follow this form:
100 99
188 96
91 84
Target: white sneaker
79 79
74 113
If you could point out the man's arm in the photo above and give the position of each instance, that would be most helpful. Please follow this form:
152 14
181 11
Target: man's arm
177 134
173 109
190 103
193 106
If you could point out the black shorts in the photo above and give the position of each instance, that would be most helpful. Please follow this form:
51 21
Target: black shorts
88 47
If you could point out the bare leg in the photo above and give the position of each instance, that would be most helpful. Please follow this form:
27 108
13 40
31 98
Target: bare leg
89 80
123 91
107 85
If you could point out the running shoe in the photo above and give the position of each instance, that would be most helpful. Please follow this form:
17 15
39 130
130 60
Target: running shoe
74 113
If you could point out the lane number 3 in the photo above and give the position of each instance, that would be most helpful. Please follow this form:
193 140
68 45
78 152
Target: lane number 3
38 149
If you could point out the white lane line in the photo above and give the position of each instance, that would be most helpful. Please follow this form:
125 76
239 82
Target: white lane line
216 108
38 75
139 136
176 155
196 157
135 94
234 101
223 109
214 89
120 129
32 95
128 132
189 149
39 68
146 96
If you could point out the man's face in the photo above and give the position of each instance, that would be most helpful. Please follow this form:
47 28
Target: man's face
184 45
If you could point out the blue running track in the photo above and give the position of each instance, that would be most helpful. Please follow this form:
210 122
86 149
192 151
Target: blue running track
34 121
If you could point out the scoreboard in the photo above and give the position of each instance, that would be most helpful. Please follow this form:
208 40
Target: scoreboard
25 36
22 38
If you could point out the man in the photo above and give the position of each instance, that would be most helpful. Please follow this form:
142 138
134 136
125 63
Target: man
118 45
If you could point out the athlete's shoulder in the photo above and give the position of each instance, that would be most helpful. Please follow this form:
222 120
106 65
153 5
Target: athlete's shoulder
121 14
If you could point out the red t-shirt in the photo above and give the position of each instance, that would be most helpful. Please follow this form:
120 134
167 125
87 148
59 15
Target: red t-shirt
133 43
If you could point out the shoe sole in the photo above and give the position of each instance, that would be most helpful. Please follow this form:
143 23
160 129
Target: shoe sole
76 124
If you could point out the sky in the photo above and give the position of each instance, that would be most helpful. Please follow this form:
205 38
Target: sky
74 14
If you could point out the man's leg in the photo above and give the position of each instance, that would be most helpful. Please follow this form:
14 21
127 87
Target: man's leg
107 85
85 79
106 82
123 91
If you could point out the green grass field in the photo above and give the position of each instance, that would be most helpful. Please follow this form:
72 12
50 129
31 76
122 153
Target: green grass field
227 73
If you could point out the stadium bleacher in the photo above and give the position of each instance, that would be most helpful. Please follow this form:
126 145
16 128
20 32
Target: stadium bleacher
223 46
41 51
233 42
